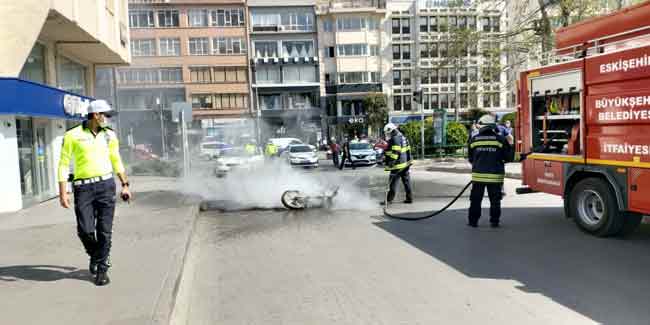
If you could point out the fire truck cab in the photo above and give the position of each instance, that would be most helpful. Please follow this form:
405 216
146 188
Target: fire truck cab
584 121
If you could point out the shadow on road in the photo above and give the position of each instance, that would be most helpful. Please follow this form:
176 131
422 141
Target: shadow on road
603 279
42 273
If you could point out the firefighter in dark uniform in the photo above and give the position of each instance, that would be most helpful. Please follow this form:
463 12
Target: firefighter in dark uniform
94 149
488 153
398 161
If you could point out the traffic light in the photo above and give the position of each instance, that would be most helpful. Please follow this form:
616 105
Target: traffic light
417 96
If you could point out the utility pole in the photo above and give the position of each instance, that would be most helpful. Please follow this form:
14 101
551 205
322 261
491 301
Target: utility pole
163 151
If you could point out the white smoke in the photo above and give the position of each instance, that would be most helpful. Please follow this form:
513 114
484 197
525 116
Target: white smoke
262 187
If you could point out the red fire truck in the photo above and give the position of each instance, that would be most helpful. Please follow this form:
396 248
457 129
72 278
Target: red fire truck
584 120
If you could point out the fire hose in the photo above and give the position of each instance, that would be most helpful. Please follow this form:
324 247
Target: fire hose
428 215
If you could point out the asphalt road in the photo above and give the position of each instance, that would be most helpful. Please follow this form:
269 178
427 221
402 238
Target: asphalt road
352 266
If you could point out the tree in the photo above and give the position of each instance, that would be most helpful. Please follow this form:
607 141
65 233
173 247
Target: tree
457 134
376 110
412 132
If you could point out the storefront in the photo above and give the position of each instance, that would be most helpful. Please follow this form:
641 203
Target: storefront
33 120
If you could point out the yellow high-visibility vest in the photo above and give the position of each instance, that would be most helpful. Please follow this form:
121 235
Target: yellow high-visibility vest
94 155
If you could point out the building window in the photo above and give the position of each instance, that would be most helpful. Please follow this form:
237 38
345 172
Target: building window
491 100
203 101
402 103
71 76
143 47
34 68
197 18
350 24
373 23
265 21
228 45
396 52
266 49
199 46
397 77
230 101
299 101
424 27
327 25
433 24
270 102
352 50
374 50
406 51
397 103
201 74
170 46
228 17
141 19
171 75
168 18
295 49
494 22
442 24
406 26
485 22
396 23
268 75
298 73
297 21
330 53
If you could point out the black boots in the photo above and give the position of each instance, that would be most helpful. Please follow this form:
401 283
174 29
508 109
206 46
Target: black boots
102 279
92 268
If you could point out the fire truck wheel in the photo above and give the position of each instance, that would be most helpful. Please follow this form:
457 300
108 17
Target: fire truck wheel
593 207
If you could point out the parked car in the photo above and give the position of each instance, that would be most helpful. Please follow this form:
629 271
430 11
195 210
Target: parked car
212 149
284 143
362 153
236 158
302 155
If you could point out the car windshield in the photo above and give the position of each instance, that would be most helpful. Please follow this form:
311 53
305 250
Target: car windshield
360 146
300 149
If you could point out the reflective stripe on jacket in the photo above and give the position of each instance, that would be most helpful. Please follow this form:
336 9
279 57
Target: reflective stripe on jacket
271 149
93 155
488 153
398 153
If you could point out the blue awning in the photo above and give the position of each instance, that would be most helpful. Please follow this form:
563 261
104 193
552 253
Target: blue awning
22 97
404 119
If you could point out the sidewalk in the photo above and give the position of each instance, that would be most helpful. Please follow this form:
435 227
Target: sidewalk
462 166
44 270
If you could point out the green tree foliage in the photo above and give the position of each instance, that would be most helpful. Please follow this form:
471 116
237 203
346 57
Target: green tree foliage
412 132
376 109
474 114
509 117
456 134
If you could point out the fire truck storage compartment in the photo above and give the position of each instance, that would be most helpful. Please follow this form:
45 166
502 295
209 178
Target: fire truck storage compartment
556 106
638 186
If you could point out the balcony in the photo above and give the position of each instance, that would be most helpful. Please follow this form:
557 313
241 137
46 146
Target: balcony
344 6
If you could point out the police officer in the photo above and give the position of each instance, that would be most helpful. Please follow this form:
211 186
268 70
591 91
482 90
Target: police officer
250 147
398 162
488 153
94 149
271 150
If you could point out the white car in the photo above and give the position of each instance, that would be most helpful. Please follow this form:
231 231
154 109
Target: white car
362 153
212 149
302 155
236 159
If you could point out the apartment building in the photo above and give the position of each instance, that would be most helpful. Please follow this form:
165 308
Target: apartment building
424 55
352 47
185 51
285 64
47 61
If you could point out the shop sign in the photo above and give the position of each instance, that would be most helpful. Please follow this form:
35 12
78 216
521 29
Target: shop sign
75 105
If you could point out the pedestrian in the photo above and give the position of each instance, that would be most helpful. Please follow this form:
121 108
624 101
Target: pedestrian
94 149
397 160
346 154
335 149
488 153
474 130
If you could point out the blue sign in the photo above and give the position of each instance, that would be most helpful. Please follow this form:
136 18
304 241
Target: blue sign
22 97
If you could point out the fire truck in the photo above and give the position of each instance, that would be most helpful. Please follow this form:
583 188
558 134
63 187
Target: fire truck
584 122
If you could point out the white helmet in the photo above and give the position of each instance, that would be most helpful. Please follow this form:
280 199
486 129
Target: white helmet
99 106
487 120
389 128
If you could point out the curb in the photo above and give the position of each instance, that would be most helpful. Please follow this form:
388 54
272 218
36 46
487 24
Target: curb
465 171
165 307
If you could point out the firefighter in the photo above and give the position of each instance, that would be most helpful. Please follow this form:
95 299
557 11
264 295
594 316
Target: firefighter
94 149
398 161
488 153
270 150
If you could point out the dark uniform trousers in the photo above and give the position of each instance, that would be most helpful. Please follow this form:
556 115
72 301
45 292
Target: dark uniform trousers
476 197
94 205
346 156
395 175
